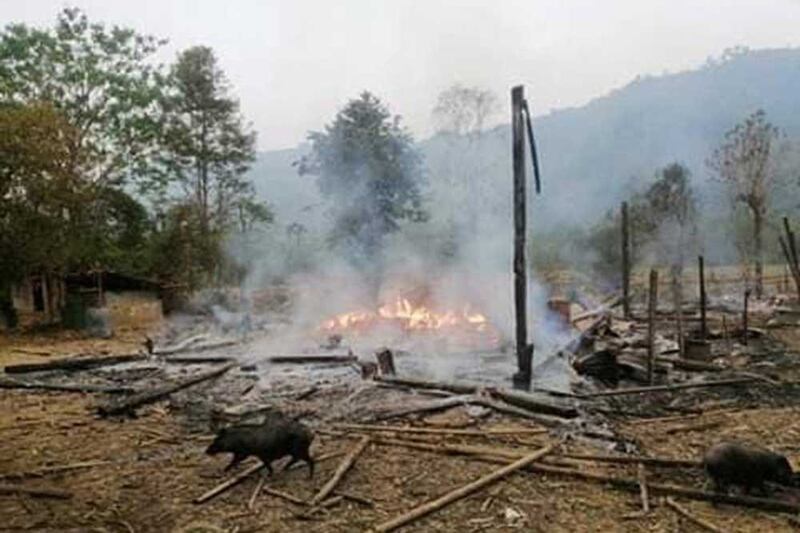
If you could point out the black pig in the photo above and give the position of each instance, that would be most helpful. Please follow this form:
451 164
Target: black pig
275 438
730 463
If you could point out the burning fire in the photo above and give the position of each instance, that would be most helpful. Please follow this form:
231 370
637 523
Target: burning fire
408 317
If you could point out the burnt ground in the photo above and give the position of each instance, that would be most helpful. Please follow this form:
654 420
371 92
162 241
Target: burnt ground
145 472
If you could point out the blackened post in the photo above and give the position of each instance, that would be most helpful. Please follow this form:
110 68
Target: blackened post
524 351
626 263
702 274
744 317
652 303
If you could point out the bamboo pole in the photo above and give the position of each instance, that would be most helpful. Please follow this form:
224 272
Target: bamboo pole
463 491
344 466
667 388
652 304
643 493
38 492
626 263
443 431
699 522
702 275
222 487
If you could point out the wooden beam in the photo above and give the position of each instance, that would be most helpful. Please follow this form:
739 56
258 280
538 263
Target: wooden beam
463 491
342 469
669 388
129 405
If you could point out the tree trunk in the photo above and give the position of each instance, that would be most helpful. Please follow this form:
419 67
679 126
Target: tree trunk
758 225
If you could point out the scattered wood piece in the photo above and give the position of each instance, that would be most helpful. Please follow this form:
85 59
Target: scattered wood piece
457 388
29 351
690 364
37 492
642 478
443 431
129 405
534 403
74 363
661 419
306 393
463 491
426 407
344 466
502 407
669 388
41 472
702 524
283 495
199 360
62 387
629 459
310 359
260 485
693 427
451 449
185 347
225 485
355 498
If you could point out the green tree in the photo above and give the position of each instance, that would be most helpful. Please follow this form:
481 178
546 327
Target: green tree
102 81
745 161
210 150
42 198
371 174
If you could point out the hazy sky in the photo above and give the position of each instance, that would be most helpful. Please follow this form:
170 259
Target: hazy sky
293 63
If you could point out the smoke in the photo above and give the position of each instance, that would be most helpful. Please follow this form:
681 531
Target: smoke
459 258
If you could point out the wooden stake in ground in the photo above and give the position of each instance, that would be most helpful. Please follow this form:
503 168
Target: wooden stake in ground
461 492
524 351
643 488
385 362
652 304
702 274
702 524
344 466
744 317
626 264
678 296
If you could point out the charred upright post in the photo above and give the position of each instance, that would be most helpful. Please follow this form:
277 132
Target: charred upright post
744 317
652 304
702 274
523 350
626 263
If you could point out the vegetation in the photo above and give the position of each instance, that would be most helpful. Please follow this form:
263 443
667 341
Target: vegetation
98 144
371 174
745 161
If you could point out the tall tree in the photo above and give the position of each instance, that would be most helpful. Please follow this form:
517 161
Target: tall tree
210 149
370 172
42 199
745 162
464 110
102 81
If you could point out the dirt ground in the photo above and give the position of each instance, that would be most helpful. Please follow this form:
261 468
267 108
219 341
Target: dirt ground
142 474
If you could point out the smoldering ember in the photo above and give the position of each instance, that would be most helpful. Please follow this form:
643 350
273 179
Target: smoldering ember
484 290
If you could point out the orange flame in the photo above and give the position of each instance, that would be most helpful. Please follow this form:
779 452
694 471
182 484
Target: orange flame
408 317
